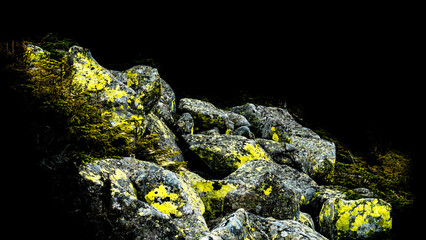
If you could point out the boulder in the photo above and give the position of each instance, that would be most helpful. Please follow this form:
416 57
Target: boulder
213 194
126 97
142 200
244 131
313 155
224 154
305 188
365 218
307 220
171 154
272 122
185 124
207 116
242 225
266 197
166 106
280 152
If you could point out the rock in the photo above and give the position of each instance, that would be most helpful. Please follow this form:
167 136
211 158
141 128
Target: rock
364 192
185 124
213 194
314 156
35 54
322 194
166 106
272 122
280 152
224 154
266 197
172 154
302 184
207 116
307 220
244 131
243 225
143 200
355 219
214 131
126 97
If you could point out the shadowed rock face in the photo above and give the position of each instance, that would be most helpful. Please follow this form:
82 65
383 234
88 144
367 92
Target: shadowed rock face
261 162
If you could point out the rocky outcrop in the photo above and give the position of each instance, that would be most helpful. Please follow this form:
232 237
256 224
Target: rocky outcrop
259 167
224 154
315 156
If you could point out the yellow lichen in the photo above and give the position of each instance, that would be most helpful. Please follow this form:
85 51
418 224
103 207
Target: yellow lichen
268 191
275 136
254 152
193 198
352 215
90 76
132 78
207 192
167 203
95 178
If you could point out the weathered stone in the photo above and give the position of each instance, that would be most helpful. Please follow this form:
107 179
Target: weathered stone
355 219
314 156
144 200
207 116
307 220
272 122
280 152
322 194
185 124
242 225
166 106
244 131
214 131
213 194
125 96
166 142
302 184
266 197
224 154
